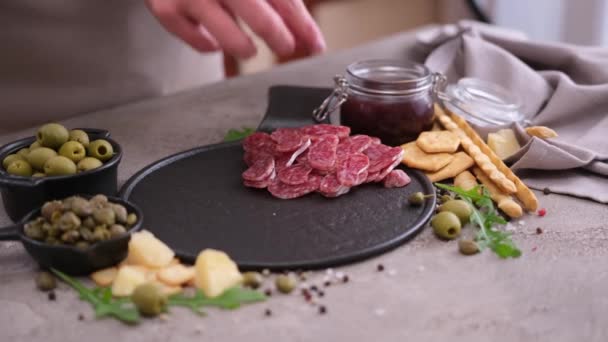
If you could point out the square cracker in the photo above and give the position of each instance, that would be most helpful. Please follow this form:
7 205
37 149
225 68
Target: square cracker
416 158
438 141
460 163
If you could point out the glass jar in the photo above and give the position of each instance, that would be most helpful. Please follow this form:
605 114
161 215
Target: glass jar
389 99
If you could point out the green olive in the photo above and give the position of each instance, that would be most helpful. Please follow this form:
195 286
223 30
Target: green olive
24 152
73 150
460 208
38 175
100 149
20 168
104 216
80 136
149 299
446 225
468 247
81 207
252 279
117 230
88 163
38 157
35 145
286 283
45 281
131 219
52 135
59 166
11 158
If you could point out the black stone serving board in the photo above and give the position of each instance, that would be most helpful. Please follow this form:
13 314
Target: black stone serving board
195 200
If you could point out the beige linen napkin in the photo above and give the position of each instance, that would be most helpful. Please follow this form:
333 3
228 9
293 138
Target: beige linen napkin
562 86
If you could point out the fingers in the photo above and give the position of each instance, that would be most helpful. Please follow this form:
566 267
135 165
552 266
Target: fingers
266 23
301 24
177 24
222 26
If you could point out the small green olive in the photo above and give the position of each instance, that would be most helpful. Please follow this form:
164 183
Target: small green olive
81 207
24 152
468 247
59 166
11 158
286 283
131 219
121 213
101 233
38 175
460 208
34 145
117 230
252 279
100 149
82 245
149 299
20 168
88 163
99 201
79 136
73 150
50 207
446 225
45 281
89 222
70 237
69 221
33 231
104 216
52 135
38 157
87 234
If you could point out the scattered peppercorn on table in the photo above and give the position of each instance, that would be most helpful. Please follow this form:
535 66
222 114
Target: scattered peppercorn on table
423 290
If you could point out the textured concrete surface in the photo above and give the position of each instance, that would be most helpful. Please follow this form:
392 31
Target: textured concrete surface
557 291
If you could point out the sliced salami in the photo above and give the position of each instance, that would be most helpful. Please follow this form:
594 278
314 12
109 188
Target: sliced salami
355 144
285 191
383 173
396 179
300 151
322 153
257 141
349 169
330 187
288 139
323 129
371 177
376 141
260 170
294 174
260 184
381 156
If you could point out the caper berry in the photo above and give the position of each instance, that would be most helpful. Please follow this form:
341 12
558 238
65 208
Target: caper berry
131 219
11 158
117 230
50 207
286 283
20 168
81 207
468 247
417 198
446 225
460 208
52 135
79 136
149 299
45 281
69 221
252 279
104 216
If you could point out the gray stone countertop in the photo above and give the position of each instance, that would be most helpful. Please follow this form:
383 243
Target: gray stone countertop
557 291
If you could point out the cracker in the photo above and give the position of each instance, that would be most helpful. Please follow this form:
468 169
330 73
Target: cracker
460 163
416 158
542 132
438 141
504 201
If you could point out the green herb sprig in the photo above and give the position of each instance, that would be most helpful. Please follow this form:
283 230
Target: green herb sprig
103 302
485 216
234 134
231 299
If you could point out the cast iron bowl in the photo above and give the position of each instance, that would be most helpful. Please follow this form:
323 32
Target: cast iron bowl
70 259
20 195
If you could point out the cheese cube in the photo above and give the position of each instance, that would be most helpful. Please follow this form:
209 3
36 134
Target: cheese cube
215 272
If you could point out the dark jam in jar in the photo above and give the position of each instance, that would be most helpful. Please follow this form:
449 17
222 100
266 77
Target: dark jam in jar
392 100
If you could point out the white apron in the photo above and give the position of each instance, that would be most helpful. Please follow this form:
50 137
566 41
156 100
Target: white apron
60 58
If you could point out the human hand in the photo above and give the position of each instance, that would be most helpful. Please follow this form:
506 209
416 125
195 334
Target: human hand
210 25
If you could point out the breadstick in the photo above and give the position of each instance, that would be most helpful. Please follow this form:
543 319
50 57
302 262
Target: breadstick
541 132
475 152
523 193
504 201
465 180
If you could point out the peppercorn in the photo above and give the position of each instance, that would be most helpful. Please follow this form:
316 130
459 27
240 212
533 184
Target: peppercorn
321 294
380 267
345 279
267 313
52 296
539 230
546 191
268 292
322 310
327 283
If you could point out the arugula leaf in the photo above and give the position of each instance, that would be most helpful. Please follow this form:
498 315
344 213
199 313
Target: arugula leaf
102 301
234 134
231 299
485 216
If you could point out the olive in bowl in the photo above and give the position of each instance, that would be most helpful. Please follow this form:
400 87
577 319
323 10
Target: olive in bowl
56 173
70 235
